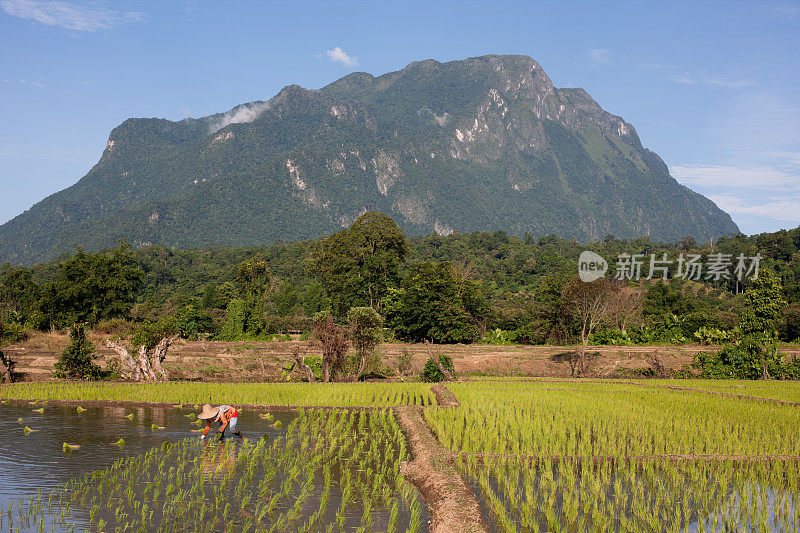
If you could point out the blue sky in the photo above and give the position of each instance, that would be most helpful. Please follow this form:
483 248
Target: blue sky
713 88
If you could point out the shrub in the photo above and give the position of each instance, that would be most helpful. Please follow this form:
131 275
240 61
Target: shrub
76 361
115 326
314 362
149 334
431 372
13 332
497 336
404 362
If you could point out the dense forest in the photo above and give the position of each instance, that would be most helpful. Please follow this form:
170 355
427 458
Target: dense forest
479 287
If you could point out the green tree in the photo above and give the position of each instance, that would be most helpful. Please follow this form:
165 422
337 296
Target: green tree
92 287
764 305
366 332
77 359
19 295
234 326
357 265
437 305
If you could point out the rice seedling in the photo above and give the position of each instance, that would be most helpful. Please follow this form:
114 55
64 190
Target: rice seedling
187 393
80 409
591 419
155 427
265 416
577 456
40 411
330 468
120 442
68 448
129 416
776 390
28 430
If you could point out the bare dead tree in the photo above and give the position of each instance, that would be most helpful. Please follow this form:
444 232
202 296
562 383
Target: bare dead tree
6 368
589 303
624 306
656 364
335 342
435 355
300 359
147 366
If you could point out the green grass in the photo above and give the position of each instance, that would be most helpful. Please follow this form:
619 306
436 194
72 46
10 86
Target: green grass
292 394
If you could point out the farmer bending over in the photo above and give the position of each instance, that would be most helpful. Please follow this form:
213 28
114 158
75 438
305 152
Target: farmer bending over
226 415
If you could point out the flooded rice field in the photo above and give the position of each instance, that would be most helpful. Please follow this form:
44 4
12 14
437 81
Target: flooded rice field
143 469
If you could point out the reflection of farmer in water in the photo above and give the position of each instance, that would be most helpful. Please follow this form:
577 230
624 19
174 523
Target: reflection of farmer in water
227 416
219 459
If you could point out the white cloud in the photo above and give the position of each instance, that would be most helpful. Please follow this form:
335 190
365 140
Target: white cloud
69 15
782 209
756 177
239 115
686 78
787 10
599 56
32 82
337 55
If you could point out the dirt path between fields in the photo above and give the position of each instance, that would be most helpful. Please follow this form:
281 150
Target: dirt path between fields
452 504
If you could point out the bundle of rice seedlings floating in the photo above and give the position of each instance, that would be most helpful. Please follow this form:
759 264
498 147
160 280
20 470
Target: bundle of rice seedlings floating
120 442
69 448
265 416
19 420
40 411
129 416
80 409
156 426
28 430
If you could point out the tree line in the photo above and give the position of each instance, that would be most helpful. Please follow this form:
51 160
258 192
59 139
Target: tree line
479 287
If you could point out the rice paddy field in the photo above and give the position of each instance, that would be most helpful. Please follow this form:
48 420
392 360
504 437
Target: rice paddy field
538 455
774 390
289 394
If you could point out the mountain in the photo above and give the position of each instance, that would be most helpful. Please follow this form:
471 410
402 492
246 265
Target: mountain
486 143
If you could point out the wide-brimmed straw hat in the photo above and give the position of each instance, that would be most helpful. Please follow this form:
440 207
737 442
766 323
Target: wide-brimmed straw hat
208 412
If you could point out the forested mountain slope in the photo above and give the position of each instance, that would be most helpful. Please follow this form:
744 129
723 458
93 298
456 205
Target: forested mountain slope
486 143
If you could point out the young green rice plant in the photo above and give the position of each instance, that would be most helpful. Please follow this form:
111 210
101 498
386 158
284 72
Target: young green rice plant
592 420
349 459
186 393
